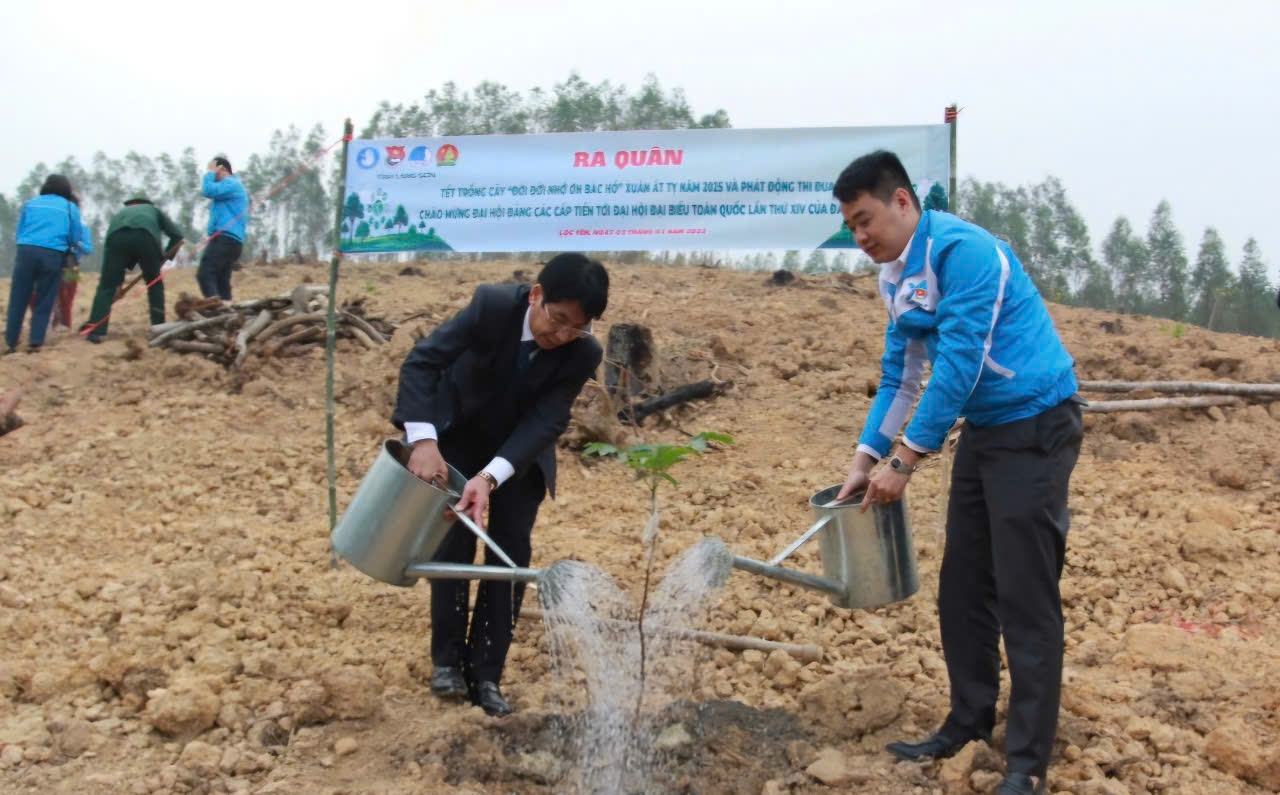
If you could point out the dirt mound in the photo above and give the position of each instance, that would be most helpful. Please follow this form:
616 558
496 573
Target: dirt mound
171 622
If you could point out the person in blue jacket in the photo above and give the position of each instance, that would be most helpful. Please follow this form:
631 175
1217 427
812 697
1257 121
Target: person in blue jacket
958 297
228 217
49 228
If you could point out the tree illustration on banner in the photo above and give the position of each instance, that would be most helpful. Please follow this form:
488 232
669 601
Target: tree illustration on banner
353 211
401 217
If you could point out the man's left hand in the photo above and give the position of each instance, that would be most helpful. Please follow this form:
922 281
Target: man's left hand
475 499
887 485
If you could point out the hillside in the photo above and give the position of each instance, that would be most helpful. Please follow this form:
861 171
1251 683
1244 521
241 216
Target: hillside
163 531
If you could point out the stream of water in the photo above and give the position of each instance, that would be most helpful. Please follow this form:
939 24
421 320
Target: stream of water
592 628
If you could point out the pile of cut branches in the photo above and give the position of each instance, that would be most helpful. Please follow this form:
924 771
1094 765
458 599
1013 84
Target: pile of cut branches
289 325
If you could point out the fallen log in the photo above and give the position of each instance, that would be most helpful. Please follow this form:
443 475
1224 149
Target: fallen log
363 325
1188 387
308 334
359 336
195 346
1152 404
292 320
268 327
682 394
161 328
194 325
246 334
803 652
274 304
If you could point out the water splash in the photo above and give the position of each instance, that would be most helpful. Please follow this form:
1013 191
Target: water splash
594 639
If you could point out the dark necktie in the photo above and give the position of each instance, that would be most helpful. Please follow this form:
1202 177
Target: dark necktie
525 357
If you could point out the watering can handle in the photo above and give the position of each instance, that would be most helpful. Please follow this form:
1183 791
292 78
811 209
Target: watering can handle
794 545
483 536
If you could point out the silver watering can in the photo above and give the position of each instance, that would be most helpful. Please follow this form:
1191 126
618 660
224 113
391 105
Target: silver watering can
396 522
868 559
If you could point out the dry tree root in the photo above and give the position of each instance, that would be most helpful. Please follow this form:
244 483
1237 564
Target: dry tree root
266 327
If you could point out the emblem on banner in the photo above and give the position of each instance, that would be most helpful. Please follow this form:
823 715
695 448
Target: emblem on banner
395 154
419 153
447 155
368 157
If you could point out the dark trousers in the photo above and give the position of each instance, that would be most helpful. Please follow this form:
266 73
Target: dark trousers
126 248
1006 536
37 272
481 649
214 273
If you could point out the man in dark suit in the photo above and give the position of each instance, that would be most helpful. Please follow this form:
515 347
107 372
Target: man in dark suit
489 391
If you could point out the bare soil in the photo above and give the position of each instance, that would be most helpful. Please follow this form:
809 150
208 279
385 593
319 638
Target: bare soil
170 622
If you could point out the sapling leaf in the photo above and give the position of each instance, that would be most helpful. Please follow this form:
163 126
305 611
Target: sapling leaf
711 436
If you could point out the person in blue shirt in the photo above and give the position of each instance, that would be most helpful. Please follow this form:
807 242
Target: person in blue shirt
228 216
49 228
958 298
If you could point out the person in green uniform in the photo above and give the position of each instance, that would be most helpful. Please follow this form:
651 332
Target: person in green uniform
133 238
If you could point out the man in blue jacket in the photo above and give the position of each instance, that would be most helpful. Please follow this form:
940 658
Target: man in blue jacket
227 219
959 298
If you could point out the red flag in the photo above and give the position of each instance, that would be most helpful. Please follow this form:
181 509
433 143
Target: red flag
949 115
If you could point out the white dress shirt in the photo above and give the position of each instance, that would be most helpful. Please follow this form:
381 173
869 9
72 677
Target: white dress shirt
500 468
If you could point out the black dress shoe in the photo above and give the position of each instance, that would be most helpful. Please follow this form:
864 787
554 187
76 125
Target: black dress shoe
489 698
448 682
937 746
1021 784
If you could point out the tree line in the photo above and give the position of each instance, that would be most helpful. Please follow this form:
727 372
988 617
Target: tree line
1147 273
299 218
1142 272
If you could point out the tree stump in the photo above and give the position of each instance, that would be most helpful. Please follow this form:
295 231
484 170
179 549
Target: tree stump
630 363
780 278
9 419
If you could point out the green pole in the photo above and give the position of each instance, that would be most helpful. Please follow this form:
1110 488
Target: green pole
953 115
331 331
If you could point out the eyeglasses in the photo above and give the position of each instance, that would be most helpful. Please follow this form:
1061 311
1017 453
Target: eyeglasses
560 327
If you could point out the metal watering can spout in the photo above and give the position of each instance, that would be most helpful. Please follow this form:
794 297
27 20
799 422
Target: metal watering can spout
868 559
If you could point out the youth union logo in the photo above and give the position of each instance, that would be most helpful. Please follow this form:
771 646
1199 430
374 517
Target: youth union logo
368 157
917 291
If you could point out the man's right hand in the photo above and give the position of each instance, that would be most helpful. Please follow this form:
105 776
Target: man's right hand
426 462
859 477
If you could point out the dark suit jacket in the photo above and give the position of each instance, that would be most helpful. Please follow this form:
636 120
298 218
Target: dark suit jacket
462 379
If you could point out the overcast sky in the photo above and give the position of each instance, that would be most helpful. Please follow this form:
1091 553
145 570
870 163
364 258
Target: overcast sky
1127 102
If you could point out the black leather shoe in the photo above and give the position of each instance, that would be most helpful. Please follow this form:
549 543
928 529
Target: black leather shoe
937 746
1021 784
489 698
448 682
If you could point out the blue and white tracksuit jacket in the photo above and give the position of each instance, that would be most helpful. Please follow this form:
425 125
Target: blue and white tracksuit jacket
962 300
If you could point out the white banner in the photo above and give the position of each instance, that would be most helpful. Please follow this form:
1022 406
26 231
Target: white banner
621 191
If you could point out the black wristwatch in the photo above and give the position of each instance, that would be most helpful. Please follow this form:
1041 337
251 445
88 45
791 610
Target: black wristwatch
900 466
